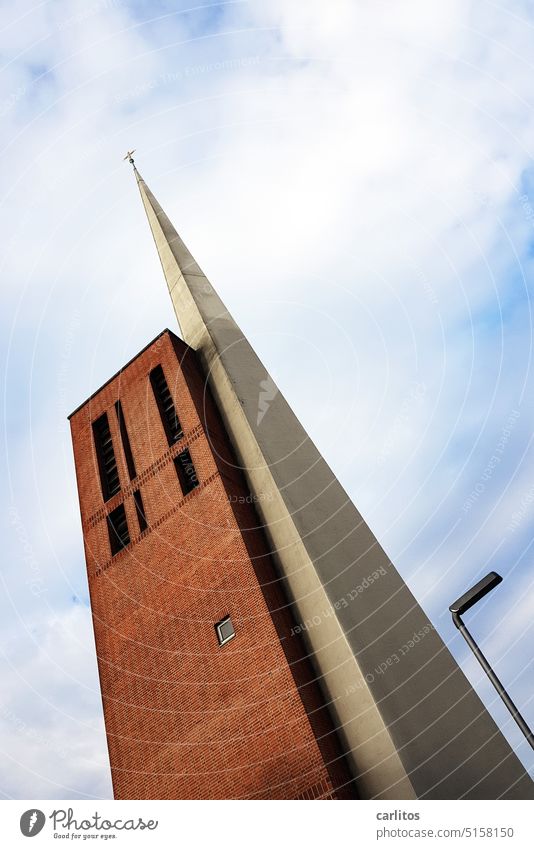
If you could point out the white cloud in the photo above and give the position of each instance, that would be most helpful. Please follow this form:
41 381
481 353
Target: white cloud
51 733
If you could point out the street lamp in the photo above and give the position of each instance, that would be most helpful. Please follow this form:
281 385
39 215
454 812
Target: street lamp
465 602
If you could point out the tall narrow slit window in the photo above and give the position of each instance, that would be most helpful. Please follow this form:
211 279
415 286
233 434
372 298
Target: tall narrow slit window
186 471
140 510
107 464
165 404
127 448
119 536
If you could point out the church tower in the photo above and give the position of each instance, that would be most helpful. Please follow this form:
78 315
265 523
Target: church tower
249 627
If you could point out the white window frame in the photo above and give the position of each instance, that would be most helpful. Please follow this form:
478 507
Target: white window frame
218 626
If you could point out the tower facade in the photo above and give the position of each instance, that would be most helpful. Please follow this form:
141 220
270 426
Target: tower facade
206 687
380 721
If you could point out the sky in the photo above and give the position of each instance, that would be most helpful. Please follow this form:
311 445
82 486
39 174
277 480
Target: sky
356 179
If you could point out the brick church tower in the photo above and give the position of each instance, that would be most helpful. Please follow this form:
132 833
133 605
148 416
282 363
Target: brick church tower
214 531
207 689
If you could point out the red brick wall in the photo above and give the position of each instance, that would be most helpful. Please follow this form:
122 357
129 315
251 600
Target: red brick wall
185 717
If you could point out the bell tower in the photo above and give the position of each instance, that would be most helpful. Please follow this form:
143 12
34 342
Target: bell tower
205 611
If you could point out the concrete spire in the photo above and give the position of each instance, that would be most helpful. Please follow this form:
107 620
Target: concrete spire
411 724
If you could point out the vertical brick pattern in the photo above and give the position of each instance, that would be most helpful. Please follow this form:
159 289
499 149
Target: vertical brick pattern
187 718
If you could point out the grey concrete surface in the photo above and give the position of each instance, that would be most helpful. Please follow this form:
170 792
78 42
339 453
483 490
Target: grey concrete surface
409 719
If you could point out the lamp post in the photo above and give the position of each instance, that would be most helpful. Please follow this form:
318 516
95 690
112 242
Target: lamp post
465 602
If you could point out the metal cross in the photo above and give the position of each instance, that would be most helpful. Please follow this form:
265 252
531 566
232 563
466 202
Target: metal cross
129 156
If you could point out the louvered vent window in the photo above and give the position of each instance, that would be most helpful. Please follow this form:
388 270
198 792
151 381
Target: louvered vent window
140 510
119 536
186 471
109 474
125 441
165 405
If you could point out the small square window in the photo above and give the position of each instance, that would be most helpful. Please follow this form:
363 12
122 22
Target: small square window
225 630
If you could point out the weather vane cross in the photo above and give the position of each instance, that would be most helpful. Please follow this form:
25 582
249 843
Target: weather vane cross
129 156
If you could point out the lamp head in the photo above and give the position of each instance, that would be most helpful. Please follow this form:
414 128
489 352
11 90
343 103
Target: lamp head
472 596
